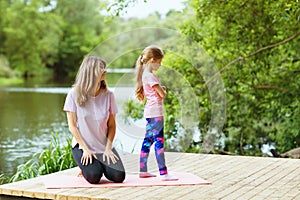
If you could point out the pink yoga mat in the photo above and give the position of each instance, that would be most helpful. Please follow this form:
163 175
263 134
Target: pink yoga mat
65 181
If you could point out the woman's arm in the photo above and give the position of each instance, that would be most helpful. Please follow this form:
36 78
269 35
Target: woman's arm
110 138
111 130
87 154
160 90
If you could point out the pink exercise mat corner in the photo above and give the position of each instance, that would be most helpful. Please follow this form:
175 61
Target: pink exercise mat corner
65 181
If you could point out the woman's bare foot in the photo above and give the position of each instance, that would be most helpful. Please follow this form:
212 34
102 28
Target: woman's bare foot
79 174
146 175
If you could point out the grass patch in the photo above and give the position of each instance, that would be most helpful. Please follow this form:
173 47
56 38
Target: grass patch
11 81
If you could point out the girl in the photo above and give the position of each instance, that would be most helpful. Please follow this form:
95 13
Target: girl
91 110
149 87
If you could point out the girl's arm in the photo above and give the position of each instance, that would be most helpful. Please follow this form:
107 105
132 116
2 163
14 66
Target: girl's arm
108 154
160 90
87 154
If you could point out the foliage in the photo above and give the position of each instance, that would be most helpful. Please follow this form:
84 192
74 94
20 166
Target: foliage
81 28
119 6
288 134
53 36
3 179
262 84
40 35
133 109
29 43
55 158
5 71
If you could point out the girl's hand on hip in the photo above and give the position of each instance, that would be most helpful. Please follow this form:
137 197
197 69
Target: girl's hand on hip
109 154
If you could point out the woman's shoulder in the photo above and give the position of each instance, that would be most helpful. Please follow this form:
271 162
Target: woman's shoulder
108 93
72 91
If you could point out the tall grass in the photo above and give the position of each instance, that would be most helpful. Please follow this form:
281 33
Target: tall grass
3 179
55 158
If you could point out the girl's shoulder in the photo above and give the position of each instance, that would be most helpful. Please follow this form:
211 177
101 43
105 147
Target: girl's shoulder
149 75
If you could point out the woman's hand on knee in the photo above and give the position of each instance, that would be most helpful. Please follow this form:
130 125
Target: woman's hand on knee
109 155
87 157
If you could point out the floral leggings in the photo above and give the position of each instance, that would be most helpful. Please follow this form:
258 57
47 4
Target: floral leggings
154 133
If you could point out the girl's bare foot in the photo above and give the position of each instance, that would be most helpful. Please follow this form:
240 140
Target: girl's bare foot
146 175
168 177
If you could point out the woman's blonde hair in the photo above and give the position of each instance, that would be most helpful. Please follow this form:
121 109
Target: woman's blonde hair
147 54
89 73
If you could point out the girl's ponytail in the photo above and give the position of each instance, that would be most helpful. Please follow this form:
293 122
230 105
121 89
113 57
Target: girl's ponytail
139 91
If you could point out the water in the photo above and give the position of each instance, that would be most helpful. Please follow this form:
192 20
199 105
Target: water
27 120
32 112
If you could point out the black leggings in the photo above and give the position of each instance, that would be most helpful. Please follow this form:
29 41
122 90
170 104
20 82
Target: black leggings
93 172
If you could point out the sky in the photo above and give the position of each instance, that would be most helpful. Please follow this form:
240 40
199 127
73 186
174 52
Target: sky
142 9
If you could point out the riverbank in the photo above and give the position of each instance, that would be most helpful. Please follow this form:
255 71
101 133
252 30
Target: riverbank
10 81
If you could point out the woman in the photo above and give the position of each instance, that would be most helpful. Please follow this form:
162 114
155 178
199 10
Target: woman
91 110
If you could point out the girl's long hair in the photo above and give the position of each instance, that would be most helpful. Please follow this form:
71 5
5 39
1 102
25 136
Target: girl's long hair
147 54
89 73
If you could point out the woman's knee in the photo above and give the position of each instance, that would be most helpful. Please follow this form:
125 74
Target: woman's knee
120 178
92 177
115 173
117 176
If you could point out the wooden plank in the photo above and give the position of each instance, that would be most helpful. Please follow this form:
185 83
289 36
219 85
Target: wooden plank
280 178
247 182
233 177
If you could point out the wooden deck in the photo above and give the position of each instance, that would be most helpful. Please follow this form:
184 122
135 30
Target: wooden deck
232 177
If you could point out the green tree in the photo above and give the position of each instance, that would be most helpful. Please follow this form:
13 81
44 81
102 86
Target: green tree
31 37
3 6
259 70
81 29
